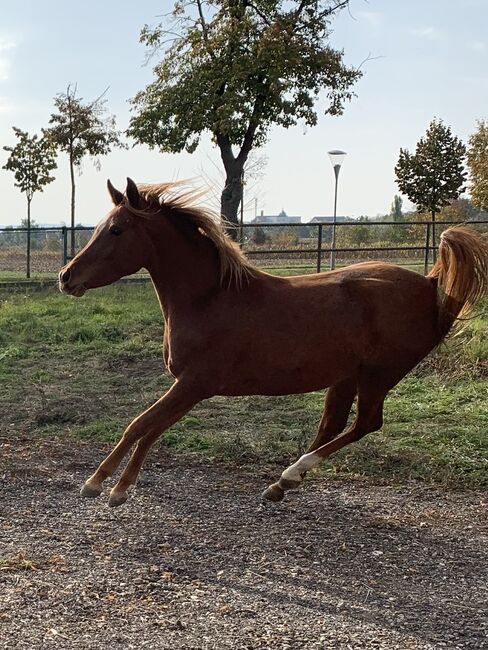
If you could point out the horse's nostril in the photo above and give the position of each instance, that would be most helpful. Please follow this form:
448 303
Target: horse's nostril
65 276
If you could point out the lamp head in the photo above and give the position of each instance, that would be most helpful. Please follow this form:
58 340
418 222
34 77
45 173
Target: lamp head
336 157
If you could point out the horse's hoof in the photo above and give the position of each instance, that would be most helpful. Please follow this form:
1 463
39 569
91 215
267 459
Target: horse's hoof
273 493
90 491
117 499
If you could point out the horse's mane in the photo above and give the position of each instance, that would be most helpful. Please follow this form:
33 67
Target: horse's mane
235 268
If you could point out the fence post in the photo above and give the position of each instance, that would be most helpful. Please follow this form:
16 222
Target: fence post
427 246
64 230
319 248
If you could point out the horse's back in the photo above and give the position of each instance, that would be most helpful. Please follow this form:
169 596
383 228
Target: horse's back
376 309
398 310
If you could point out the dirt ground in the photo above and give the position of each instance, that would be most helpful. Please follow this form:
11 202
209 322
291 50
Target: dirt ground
195 561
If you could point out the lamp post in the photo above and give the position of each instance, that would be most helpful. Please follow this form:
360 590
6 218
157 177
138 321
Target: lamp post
336 158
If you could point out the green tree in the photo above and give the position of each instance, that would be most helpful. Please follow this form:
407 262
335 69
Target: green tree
477 159
258 236
355 236
234 68
396 212
398 232
434 174
31 160
79 129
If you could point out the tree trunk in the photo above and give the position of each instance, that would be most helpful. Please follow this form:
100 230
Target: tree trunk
434 242
28 237
231 196
72 221
230 201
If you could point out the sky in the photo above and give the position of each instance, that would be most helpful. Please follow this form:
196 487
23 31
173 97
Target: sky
421 59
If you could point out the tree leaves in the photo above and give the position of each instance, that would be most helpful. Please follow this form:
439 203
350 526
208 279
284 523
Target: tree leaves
80 128
236 66
477 159
434 175
31 159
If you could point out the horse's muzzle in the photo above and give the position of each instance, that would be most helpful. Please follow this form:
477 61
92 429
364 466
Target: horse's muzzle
76 290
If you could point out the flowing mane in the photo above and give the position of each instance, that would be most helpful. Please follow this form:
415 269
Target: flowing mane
235 268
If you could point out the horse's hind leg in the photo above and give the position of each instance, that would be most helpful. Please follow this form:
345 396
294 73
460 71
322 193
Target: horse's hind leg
369 418
338 402
161 415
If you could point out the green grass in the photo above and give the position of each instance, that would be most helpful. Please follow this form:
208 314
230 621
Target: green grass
84 368
127 320
301 267
20 276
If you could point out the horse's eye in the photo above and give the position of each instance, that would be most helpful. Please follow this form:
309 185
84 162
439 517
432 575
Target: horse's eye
115 230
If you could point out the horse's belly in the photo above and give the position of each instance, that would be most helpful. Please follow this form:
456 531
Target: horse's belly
288 378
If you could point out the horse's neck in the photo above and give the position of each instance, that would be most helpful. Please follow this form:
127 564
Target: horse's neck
185 274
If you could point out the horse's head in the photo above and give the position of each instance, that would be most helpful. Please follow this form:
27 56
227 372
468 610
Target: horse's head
118 247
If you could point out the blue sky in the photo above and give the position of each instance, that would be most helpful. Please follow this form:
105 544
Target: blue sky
426 59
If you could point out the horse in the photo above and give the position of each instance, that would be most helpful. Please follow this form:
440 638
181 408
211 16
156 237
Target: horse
232 329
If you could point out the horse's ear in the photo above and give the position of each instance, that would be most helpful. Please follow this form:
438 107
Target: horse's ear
116 196
132 194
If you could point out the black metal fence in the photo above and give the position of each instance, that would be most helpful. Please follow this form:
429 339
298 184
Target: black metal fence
308 247
284 248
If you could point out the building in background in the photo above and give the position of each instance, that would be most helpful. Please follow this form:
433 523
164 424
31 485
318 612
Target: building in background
330 219
282 217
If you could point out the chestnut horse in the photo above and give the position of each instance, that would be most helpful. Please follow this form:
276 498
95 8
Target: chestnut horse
232 329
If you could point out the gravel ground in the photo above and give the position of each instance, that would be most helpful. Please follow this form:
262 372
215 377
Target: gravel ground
195 561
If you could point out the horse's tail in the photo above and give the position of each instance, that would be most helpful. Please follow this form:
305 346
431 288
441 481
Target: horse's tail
461 272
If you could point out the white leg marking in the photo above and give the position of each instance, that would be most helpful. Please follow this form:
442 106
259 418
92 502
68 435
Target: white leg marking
303 464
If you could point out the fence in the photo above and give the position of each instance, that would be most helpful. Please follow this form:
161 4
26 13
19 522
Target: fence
308 247
284 248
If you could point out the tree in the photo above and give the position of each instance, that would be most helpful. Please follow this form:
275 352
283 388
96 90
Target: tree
32 159
458 210
258 236
398 232
396 213
477 159
434 174
357 235
79 129
234 69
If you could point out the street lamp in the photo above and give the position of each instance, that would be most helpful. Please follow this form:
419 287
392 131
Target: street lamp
336 158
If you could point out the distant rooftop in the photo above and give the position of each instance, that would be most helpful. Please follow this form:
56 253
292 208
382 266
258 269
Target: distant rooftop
330 219
282 217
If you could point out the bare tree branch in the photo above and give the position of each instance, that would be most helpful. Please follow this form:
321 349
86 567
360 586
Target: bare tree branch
266 20
202 20
369 58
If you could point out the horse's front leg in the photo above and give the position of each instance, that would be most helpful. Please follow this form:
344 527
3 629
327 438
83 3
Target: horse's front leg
148 426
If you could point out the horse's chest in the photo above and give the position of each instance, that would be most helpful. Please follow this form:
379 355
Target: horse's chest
178 353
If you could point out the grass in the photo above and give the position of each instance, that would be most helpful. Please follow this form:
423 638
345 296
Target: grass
20 276
301 267
85 368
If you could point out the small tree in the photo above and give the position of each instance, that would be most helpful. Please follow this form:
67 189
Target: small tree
32 159
258 236
396 212
79 129
234 69
398 232
477 158
355 236
434 174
